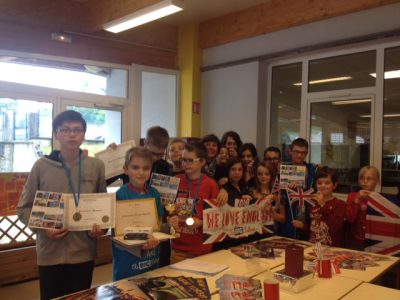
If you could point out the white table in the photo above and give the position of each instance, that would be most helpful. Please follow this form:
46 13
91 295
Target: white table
371 273
367 291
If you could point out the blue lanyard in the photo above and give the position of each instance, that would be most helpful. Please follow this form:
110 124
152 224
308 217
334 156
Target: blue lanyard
196 193
70 181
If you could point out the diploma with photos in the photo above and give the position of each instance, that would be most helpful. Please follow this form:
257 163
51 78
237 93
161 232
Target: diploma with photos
131 215
292 175
167 186
57 210
114 159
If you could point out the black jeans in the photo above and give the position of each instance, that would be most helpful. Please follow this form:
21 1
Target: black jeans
59 280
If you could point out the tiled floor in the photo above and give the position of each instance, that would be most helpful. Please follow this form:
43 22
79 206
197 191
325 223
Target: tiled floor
30 290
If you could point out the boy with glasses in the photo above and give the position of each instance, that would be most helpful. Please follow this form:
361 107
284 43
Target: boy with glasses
194 188
298 215
272 155
65 258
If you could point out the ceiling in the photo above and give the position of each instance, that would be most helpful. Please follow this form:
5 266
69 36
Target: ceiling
89 15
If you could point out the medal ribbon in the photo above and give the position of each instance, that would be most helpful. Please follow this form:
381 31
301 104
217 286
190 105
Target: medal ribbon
196 193
70 181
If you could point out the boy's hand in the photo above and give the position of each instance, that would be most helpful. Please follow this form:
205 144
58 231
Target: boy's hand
112 146
151 243
319 198
96 231
56 234
173 222
222 181
298 224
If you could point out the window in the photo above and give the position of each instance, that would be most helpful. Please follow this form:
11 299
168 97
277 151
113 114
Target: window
391 122
66 76
285 106
342 72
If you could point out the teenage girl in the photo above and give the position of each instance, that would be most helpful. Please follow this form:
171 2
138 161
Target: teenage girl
263 191
248 154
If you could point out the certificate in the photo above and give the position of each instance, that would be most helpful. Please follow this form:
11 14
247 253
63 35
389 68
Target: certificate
114 159
92 209
138 212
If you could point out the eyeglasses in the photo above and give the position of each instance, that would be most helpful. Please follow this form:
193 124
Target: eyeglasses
68 131
275 159
300 152
189 161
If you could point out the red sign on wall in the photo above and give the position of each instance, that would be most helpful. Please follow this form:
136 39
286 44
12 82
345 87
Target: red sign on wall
196 108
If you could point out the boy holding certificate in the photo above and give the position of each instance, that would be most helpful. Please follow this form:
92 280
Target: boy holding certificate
194 188
138 163
65 258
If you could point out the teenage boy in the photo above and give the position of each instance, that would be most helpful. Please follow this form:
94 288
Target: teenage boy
295 214
65 258
272 155
194 188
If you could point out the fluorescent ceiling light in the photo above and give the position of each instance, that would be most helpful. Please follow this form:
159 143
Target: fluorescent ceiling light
385 116
352 101
389 74
333 79
145 15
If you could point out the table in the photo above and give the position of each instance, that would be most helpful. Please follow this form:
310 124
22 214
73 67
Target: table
371 273
372 291
326 289
237 266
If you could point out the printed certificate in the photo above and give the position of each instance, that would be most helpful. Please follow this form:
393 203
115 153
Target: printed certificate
57 210
292 175
92 209
138 212
114 158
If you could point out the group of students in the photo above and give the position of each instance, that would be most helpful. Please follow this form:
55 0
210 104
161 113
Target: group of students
227 171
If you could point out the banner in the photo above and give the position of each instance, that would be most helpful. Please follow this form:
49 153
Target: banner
220 223
11 186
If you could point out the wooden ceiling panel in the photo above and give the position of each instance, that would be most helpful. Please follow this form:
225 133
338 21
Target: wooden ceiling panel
276 15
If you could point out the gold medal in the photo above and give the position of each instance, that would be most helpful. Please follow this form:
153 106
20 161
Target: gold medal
105 219
77 216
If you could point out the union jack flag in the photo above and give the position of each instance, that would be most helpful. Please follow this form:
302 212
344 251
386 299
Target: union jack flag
383 224
300 196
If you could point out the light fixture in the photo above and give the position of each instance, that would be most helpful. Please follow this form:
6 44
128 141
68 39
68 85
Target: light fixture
352 101
389 74
60 37
333 79
145 15
385 116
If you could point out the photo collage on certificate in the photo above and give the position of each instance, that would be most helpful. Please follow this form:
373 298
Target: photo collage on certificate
292 175
167 186
47 211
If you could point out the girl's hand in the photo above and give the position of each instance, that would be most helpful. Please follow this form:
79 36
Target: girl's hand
56 234
298 224
363 194
232 152
151 243
222 197
222 181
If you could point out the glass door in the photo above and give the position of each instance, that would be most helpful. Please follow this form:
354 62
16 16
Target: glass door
340 136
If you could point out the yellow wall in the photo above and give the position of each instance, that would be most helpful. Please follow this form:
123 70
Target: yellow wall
189 62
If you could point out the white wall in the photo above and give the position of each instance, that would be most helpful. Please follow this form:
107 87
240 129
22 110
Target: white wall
230 93
230 101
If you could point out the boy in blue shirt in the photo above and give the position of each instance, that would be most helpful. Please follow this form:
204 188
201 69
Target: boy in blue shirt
138 164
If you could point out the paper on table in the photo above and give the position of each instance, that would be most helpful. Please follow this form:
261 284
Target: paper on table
199 266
